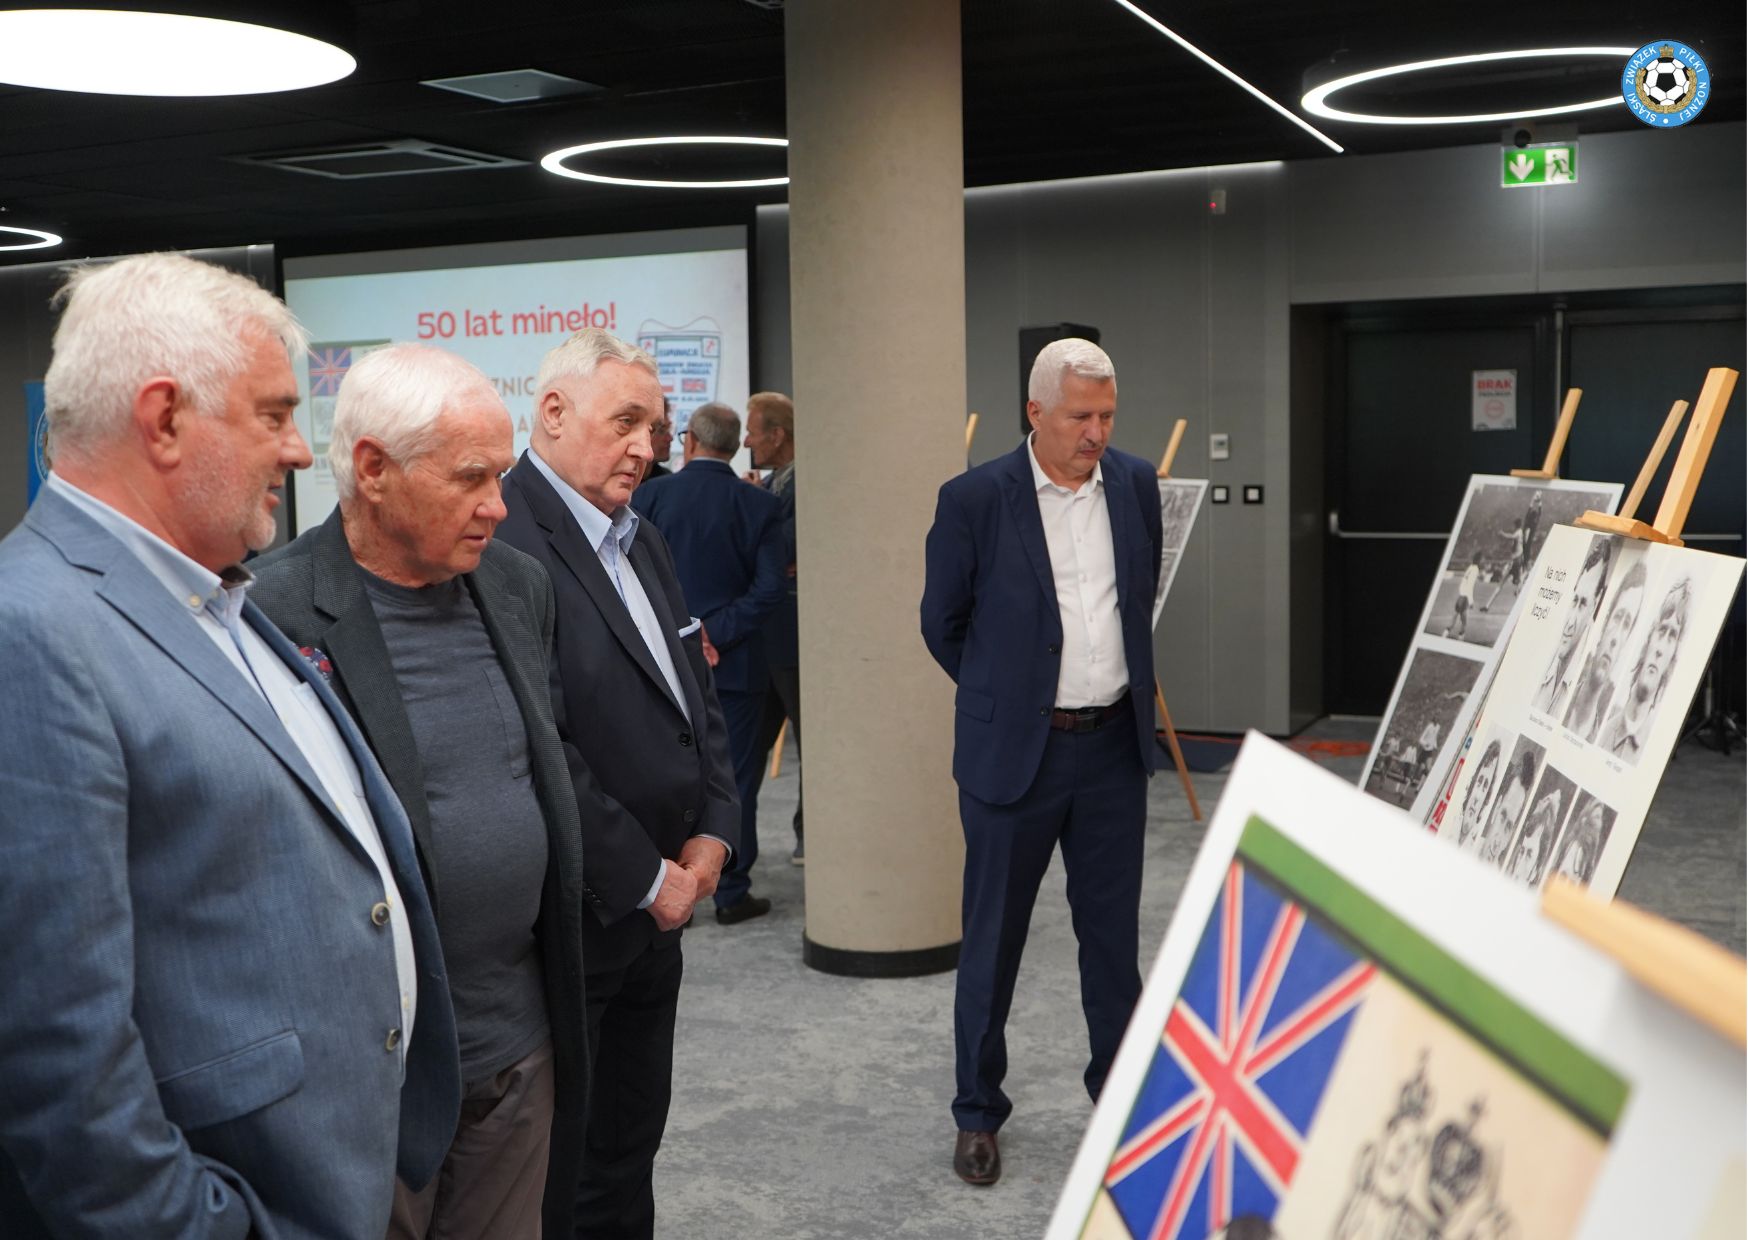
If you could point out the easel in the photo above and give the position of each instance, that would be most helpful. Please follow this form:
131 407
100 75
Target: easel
1697 976
1690 465
1550 469
1171 741
970 431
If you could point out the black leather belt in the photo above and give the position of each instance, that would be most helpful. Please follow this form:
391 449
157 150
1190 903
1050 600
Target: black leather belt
1088 718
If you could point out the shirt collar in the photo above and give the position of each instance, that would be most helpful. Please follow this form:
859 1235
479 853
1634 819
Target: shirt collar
1040 479
192 585
595 524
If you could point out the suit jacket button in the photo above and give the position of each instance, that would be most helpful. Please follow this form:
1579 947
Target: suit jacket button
379 914
689 817
1043 710
685 738
1053 650
393 1041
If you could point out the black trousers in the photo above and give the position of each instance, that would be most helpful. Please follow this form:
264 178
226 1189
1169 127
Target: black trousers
631 1032
782 701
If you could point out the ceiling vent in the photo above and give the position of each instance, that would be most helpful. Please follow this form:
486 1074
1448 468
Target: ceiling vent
515 86
402 157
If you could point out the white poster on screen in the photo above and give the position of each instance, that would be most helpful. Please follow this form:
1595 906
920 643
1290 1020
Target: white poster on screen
688 309
1494 400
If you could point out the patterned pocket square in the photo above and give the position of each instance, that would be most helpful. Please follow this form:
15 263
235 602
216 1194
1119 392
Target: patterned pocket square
319 661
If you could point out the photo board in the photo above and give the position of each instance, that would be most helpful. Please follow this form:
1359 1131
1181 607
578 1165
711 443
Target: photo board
1332 1043
1565 754
1180 501
1500 529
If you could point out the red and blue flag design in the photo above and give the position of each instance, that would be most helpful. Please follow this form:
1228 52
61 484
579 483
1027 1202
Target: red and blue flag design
327 367
1221 1119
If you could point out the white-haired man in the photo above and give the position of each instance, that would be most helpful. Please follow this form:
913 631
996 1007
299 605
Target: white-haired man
437 639
659 811
226 1013
1041 572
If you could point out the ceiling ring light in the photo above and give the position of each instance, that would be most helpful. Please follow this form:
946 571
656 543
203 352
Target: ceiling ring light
1316 101
121 52
39 240
555 162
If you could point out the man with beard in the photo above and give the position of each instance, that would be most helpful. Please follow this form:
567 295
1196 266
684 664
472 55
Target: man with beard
1629 725
1596 684
1586 600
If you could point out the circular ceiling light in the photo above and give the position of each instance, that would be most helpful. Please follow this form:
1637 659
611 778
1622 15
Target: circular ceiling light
1316 101
112 52
555 162
38 240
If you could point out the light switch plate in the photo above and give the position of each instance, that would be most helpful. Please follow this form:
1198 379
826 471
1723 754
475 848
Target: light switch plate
1252 493
1220 494
1219 446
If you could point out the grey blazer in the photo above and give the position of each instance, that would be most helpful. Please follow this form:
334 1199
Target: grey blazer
314 590
194 1039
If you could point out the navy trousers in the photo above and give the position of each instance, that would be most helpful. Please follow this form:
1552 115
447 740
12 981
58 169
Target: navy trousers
1090 795
740 712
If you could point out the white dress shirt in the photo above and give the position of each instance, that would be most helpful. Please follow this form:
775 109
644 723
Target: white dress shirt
1077 532
216 604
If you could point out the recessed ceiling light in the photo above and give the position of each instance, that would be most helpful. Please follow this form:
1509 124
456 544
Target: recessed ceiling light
555 162
111 52
1316 101
1221 69
38 240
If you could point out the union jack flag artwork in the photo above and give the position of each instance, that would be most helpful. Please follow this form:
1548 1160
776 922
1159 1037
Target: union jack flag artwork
327 367
1221 1119
692 385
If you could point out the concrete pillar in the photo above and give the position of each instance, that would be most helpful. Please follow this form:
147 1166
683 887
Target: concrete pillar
877 280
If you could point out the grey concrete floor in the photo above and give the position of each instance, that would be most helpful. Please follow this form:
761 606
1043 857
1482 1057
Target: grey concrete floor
808 1106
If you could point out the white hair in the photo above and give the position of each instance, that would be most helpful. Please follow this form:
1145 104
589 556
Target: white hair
578 357
396 396
152 315
1060 357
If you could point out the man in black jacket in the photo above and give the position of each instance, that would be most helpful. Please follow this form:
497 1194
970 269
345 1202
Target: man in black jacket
656 789
437 640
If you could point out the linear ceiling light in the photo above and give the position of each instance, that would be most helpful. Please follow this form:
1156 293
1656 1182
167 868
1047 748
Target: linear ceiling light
112 52
555 162
38 240
1316 101
1221 69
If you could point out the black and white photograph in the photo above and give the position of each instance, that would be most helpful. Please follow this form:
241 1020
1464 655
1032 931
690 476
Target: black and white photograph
1582 842
1489 758
1639 694
1180 499
1585 590
1511 795
1534 844
1501 532
1594 690
1432 693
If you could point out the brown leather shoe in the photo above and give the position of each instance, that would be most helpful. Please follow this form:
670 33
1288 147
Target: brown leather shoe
976 1158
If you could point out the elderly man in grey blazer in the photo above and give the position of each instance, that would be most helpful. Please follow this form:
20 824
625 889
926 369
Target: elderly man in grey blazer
226 1009
437 638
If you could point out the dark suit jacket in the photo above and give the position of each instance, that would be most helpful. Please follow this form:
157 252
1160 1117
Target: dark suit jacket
647 780
314 590
728 546
990 616
782 633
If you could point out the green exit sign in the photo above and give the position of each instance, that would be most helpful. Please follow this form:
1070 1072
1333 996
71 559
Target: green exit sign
1539 165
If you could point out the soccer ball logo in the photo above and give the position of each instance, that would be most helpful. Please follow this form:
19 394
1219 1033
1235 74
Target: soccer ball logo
1666 84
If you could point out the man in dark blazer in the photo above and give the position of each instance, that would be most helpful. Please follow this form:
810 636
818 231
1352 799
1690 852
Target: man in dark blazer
727 540
225 1012
1041 571
657 793
437 640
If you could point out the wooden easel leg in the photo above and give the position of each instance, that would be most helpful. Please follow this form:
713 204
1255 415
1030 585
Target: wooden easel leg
1177 753
777 749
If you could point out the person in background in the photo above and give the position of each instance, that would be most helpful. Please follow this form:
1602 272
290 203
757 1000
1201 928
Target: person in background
661 443
437 638
226 1008
727 540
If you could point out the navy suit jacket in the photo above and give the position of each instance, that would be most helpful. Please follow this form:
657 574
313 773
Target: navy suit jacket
727 538
990 616
194 1040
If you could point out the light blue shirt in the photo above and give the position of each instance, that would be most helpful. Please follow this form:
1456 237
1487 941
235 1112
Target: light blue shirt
611 537
215 601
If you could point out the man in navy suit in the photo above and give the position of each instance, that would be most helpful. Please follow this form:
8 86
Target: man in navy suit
1041 572
226 1009
729 550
